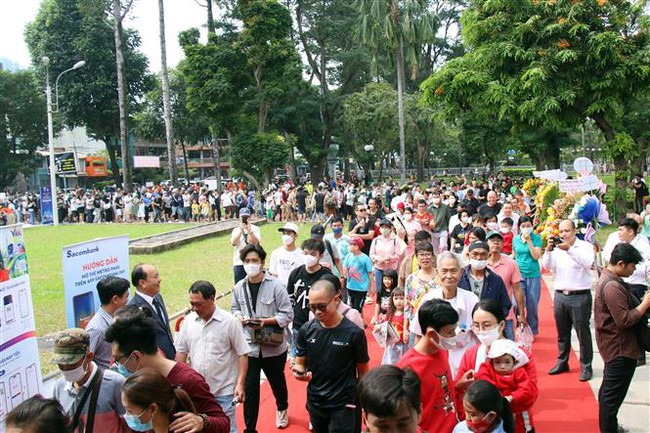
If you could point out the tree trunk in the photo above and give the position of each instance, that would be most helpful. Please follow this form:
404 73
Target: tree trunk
399 58
112 155
127 173
185 166
211 28
171 149
638 164
318 168
264 105
423 147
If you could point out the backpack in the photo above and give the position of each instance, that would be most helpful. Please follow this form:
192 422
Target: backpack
643 326
644 189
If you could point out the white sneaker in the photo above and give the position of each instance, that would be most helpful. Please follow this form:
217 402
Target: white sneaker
281 419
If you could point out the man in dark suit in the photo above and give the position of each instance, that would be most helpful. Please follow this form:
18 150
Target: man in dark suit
146 280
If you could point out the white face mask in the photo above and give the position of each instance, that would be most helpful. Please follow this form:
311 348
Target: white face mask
504 230
287 240
309 260
445 343
252 269
408 216
74 375
489 336
436 201
526 230
466 220
479 265
385 231
491 225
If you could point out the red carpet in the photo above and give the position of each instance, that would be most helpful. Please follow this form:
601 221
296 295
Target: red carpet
564 405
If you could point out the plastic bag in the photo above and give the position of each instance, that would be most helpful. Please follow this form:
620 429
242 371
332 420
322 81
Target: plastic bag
524 337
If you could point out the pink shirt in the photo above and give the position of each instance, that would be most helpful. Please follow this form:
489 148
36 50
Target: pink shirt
508 270
385 248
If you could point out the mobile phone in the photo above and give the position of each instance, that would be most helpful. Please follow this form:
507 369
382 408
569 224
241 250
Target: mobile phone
244 219
254 322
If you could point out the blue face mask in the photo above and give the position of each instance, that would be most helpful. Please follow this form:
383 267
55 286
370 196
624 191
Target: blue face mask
134 423
337 230
122 369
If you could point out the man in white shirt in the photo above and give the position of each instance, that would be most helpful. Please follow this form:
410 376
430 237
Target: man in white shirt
571 260
241 236
638 282
288 257
215 342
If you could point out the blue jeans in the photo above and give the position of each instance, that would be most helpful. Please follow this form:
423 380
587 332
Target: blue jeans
532 289
379 280
225 402
509 330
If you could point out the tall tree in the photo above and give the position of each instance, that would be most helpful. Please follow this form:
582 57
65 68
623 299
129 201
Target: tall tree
402 26
164 74
67 31
119 13
551 64
336 65
23 126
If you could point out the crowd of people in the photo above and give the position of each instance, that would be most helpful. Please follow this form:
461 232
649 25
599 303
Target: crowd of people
454 273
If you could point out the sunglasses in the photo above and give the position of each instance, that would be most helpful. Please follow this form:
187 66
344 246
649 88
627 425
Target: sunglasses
320 307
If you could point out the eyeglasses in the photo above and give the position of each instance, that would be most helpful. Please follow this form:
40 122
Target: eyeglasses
320 307
362 210
118 358
424 255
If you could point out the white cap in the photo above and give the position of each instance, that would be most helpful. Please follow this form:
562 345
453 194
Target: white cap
289 226
508 347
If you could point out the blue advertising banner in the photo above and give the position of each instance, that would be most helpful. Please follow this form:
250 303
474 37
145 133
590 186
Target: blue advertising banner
86 263
46 206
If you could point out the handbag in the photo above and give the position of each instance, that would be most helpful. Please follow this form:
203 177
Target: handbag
272 335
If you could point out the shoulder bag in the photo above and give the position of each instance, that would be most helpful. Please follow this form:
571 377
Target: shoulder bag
271 335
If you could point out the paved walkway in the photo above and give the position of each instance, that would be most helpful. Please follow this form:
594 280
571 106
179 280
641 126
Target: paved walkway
170 240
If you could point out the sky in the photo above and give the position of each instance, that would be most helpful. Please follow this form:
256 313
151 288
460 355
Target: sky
179 15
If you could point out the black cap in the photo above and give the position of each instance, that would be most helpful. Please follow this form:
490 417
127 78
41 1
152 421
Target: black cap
317 231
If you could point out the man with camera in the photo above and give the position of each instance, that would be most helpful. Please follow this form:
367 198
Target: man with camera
241 236
571 260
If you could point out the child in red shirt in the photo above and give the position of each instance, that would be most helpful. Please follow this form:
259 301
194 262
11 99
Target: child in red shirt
504 368
506 231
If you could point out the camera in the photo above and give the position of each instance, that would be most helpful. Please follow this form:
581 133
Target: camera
244 219
556 240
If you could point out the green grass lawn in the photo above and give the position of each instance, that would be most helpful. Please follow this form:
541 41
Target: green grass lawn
209 259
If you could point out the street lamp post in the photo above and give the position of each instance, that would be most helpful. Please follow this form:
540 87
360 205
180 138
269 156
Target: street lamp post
50 130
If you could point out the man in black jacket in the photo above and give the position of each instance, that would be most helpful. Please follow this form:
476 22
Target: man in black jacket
146 280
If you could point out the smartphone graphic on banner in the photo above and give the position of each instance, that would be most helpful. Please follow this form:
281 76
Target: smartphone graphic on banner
3 401
16 390
22 302
83 306
10 314
32 380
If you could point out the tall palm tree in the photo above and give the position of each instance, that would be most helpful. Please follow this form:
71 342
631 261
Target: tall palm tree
119 12
171 150
400 26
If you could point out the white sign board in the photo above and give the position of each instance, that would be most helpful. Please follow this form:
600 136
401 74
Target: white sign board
20 366
84 265
553 175
586 183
